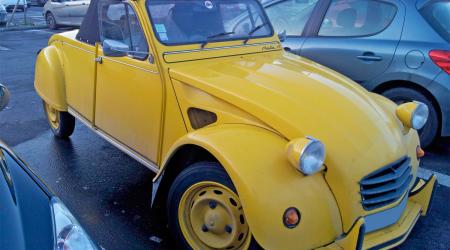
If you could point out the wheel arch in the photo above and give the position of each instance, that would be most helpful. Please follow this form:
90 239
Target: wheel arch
255 160
415 86
49 80
180 159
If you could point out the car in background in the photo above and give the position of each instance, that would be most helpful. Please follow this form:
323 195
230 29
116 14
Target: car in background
39 3
65 12
9 4
396 48
31 216
3 15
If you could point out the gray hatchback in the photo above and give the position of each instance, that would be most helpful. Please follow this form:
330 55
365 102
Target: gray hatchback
398 48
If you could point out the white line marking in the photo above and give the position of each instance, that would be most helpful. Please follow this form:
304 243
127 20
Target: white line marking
40 31
442 178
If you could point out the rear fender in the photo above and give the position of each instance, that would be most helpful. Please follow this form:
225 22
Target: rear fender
49 78
267 185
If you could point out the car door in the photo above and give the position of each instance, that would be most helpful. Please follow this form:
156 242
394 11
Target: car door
129 92
77 11
357 38
290 19
59 8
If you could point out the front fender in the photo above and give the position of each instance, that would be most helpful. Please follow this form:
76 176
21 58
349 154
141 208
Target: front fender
49 78
267 185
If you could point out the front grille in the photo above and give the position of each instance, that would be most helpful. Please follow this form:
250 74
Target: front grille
386 185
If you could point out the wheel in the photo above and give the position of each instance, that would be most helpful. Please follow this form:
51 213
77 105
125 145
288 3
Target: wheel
61 123
401 95
51 21
204 211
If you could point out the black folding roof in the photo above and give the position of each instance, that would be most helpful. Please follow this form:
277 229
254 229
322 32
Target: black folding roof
89 30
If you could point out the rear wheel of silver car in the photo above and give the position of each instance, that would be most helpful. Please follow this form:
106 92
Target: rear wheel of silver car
62 123
51 21
401 95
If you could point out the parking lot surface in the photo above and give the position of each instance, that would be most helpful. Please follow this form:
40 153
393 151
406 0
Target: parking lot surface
109 192
33 17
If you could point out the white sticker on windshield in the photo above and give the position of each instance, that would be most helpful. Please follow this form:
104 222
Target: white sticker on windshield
163 36
160 28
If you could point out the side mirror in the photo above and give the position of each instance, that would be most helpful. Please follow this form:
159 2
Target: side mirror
113 48
282 36
4 97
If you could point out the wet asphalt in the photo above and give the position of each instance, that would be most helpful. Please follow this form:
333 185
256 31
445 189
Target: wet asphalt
109 192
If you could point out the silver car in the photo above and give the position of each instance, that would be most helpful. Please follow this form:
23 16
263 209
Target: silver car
3 15
65 12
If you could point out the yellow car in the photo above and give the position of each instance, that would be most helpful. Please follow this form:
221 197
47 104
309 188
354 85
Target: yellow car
251 146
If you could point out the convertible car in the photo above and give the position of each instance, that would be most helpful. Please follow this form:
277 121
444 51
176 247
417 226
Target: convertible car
252 146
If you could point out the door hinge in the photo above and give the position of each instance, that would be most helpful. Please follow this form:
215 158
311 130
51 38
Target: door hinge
98 59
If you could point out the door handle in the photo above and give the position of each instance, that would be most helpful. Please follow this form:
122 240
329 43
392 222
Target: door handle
369 56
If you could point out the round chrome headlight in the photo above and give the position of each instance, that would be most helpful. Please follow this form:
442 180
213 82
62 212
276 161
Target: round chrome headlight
420 116
413 114
306 154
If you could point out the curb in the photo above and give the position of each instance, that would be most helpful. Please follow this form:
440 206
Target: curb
18 28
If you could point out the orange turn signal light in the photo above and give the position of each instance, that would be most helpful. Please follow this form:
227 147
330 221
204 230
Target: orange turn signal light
291 217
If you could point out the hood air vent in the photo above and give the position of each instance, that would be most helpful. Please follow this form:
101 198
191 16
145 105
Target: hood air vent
200 118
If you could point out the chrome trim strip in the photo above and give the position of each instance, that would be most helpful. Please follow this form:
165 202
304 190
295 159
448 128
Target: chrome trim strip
73 46
219 48
131 65
133 154
385 218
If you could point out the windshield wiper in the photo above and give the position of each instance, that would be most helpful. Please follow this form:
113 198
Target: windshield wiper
250 34
208 39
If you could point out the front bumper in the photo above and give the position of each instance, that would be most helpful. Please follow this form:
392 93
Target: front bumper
419 202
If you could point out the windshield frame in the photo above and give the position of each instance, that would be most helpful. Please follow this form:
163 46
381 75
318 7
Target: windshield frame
258 3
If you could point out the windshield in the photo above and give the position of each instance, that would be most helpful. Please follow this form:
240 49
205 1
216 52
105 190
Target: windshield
177 22
438 16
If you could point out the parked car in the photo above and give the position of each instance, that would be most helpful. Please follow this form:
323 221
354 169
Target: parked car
10 4
3 15
39 3
65 12
31 216
202 93
396 48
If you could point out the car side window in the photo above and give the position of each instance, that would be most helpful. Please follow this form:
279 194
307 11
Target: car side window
291 16
350 18
119 22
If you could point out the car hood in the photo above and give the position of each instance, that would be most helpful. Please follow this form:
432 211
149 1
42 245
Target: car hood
298 98
26 218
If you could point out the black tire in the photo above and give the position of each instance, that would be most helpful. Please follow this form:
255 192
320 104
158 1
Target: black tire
51 21
430 131
197 172
66 123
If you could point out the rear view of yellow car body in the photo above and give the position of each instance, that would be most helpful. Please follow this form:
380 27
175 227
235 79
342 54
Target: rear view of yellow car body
230 109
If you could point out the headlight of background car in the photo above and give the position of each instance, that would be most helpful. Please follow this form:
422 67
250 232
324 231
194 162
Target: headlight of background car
413 114
69 233
306 154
